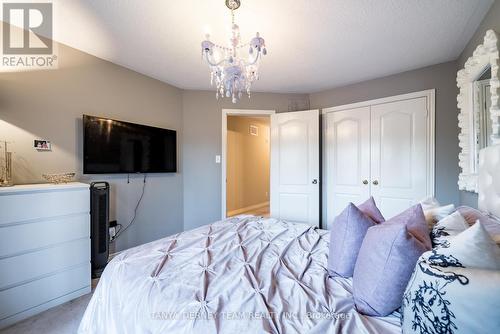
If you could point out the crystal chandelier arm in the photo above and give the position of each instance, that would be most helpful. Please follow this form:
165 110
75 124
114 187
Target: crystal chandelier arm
254 61
257 45
213 63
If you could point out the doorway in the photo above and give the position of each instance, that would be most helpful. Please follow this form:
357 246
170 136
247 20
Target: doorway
294 164
248 158
246 162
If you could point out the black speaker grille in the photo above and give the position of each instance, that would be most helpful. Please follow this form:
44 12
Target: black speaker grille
102 224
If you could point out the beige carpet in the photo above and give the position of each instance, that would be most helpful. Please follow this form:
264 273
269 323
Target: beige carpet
62 319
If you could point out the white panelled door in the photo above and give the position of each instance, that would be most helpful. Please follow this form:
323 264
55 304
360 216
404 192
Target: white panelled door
295 180
399 154
348 165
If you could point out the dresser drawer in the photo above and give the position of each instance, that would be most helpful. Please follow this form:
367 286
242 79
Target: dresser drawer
35 293
15 239
20 269
38 205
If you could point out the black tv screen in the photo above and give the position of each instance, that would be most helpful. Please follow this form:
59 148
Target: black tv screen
111 147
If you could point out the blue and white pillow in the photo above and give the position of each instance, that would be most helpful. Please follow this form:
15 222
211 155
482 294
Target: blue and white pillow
455 288
448 227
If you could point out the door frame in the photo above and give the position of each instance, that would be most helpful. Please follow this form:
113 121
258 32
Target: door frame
233 112
429 94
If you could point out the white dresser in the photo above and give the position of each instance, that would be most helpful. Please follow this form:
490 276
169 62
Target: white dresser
44 248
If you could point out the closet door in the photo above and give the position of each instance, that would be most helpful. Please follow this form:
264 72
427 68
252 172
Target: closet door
347 159
399 135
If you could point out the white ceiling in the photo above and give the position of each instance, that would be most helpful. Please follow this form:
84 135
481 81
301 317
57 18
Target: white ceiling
313 44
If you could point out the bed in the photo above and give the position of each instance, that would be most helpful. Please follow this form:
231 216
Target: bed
241 275
245 274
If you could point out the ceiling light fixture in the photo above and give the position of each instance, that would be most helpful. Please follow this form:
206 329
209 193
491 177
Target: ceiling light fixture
238 65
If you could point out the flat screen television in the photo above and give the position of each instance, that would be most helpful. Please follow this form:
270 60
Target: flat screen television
115 147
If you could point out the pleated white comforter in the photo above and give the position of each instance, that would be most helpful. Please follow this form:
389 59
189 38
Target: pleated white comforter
241 275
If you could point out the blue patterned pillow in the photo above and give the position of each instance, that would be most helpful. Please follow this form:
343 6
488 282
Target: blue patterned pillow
448 227
455 288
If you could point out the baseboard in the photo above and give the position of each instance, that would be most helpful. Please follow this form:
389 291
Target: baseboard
248 208
113 255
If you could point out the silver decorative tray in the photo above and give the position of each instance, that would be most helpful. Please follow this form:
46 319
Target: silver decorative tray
59 178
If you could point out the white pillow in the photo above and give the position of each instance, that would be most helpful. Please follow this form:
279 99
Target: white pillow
454 223
456 287
448 227
434 212
473 248
429 203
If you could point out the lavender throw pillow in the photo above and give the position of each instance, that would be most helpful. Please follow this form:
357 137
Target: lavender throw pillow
414 219
386 261
346 236
370 209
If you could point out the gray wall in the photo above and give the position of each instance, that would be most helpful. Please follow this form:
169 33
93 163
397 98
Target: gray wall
490 21
49 105
202 141
192 197
442 78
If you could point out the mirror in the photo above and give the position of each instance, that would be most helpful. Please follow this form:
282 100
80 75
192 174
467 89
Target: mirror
479 108
481 113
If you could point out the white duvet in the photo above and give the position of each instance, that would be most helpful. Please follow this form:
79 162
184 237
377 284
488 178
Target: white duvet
241 275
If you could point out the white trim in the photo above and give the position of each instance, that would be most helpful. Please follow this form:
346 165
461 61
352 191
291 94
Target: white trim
225 113
248 208
430 95
425 93
485 55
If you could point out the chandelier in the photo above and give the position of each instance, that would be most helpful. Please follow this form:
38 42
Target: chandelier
234 68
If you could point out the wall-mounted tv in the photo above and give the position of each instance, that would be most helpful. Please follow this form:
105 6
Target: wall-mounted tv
113 147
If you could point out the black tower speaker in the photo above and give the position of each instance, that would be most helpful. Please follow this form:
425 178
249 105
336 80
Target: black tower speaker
99 226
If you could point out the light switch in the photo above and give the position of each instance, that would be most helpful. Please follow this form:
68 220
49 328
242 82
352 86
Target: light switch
217 159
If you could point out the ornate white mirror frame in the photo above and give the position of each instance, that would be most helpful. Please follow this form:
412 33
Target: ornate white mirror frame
485 56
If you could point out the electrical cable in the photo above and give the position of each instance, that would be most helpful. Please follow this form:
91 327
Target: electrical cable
135 210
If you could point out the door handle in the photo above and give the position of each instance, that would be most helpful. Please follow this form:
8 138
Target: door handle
365 182
375 183
315 181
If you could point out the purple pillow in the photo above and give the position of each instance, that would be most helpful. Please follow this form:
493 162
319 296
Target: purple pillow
386 261
414 219
346 236
370 209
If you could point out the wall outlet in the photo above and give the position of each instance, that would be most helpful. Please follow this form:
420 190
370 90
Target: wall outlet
217 159
112 232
